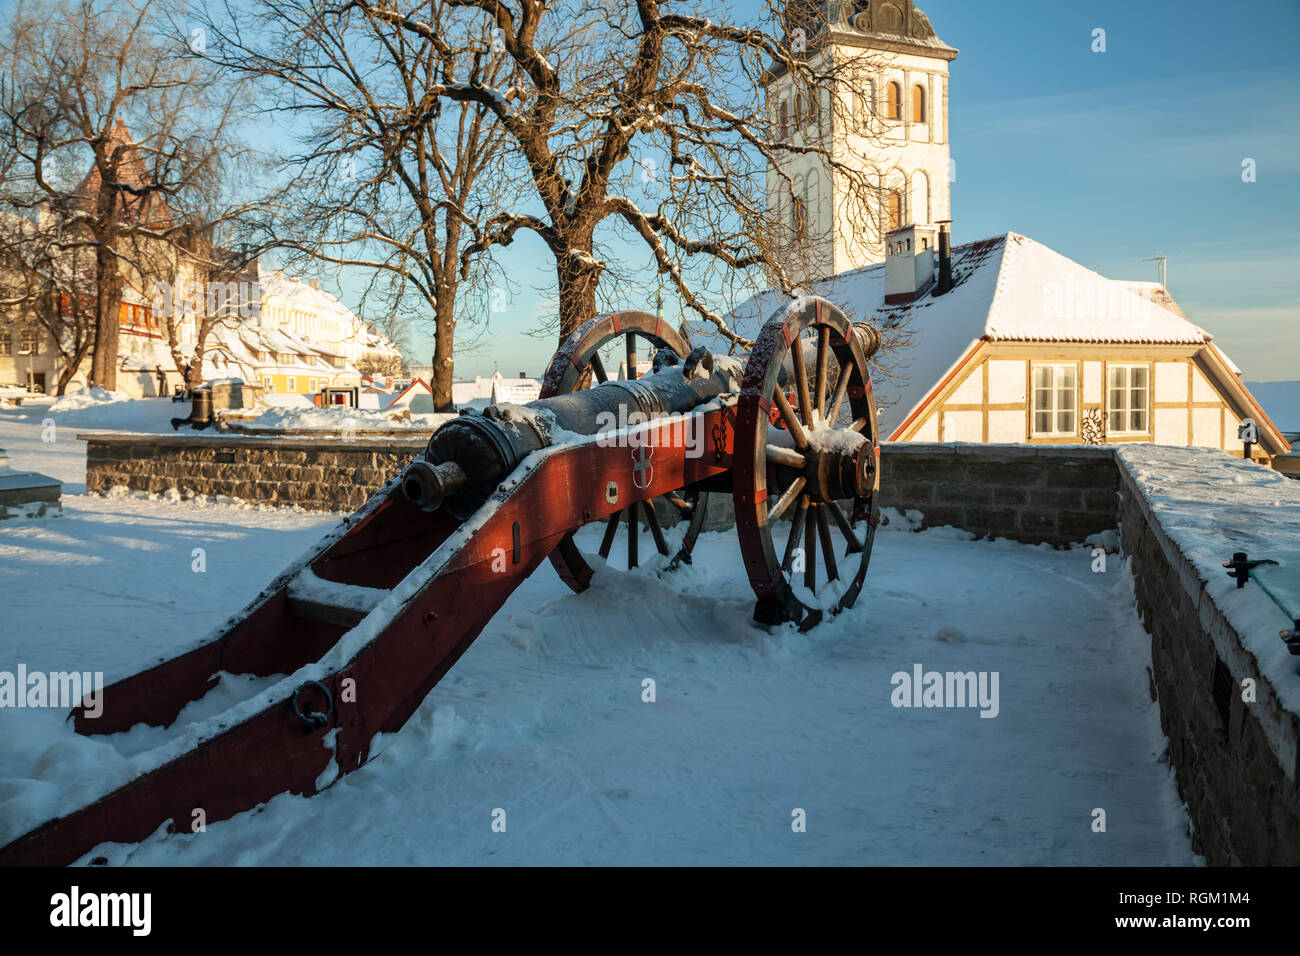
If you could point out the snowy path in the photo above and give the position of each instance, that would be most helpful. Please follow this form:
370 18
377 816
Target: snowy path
544 717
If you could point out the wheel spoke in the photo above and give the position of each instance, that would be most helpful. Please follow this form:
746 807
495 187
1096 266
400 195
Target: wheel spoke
631 356
828 547
780 455
846 529
607 542
801 379
810 552
796 529
657 532
823 349
791 420
857 424
598 367
838 396
783 502
631 537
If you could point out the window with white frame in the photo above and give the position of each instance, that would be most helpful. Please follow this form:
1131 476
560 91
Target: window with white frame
268 382
291 385
1054 404
6 343
31 342
1127 399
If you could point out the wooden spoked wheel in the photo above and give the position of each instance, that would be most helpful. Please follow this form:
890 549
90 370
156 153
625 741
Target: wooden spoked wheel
807 451
578 365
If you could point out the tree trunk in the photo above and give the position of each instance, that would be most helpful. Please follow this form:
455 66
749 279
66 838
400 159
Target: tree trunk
108 301
444 339
577 273
70 370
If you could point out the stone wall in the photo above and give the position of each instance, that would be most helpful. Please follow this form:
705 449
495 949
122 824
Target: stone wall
1059 494
1236 762
320 474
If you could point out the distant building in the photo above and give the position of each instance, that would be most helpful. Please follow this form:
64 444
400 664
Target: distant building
278 333
495 389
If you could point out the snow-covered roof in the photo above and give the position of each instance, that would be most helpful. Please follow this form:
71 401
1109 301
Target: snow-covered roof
413 397
1006 288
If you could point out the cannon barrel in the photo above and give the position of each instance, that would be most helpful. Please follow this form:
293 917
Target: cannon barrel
469 455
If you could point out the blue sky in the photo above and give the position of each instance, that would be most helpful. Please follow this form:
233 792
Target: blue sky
1109 158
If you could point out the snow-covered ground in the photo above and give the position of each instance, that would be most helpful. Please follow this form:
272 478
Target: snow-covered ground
544 717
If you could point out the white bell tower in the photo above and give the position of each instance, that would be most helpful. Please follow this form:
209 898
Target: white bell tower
890 121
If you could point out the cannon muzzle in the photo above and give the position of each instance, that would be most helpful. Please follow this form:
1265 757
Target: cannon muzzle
427 485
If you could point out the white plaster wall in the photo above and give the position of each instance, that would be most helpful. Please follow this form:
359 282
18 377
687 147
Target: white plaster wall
1202 390
1171 424
1006 426
929 430
1205 426
1091 383
963 426
970 391
1171 385
1006 382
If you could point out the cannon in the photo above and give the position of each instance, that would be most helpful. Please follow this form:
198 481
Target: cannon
364 625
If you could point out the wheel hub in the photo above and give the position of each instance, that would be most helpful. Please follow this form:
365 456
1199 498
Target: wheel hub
840 464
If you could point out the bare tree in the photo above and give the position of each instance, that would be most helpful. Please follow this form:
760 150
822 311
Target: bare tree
75 72
389 179
210 286
600 90
46 291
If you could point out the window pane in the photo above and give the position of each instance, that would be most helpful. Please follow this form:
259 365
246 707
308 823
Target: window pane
1065 422
1140 376
1117 375
1042 377
1116 420
1042 421
1137 421
1066 374
1139 398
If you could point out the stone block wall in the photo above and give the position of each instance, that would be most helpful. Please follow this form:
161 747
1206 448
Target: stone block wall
319 474
1236 762
1059 494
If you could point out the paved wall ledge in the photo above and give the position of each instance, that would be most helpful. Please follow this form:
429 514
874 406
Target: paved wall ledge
324 473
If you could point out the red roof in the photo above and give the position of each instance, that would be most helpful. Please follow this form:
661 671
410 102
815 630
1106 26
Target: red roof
133 172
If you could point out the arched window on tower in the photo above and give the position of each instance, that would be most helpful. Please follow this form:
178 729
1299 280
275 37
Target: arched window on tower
893 101
920 204
895 209
918 103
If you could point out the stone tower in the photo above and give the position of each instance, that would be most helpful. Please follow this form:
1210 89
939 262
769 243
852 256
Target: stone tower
889 119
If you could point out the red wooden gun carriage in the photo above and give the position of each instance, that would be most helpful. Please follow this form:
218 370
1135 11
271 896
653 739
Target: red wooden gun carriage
367 622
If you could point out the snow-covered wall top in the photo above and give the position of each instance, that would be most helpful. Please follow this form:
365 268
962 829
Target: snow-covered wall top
1210 505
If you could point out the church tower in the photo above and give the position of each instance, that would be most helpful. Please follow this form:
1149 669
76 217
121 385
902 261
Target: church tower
884 114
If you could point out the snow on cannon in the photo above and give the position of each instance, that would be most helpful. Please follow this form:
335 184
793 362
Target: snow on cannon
361 627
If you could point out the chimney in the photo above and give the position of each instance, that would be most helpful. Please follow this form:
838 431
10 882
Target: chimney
314 283
945 258
909 262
